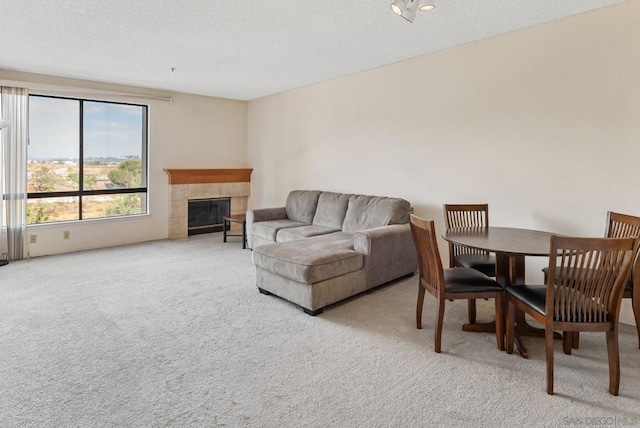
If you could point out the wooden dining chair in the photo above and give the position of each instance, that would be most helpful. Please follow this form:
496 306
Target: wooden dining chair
621 226
583 293
461 216
628 226
451 283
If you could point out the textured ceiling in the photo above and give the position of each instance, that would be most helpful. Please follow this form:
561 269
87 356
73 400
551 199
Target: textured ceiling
245 49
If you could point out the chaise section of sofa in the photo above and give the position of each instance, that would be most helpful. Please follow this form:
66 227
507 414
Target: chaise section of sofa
323 247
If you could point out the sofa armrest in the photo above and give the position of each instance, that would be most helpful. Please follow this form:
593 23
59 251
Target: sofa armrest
388 252
266 214
262 214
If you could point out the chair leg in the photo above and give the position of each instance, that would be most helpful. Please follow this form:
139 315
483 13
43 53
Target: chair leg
635 304
614 362
575 340
548 342
510 327
471 306
438 328
500 320
567 342
419 306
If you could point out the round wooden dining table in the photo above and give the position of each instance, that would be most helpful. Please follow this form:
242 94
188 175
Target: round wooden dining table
510 246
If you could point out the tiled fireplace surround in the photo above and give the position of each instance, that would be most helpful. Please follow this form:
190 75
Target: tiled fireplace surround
185 184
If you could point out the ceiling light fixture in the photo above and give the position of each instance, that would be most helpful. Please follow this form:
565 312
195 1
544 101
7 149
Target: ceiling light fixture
408 8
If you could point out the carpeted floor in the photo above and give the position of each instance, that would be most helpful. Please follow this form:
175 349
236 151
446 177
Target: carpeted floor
175 334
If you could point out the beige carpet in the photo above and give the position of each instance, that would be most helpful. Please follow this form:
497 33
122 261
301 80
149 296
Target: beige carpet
175 333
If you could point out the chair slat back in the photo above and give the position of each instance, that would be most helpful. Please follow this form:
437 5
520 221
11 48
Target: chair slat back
590 278
459 216
429 261
623 226
462 216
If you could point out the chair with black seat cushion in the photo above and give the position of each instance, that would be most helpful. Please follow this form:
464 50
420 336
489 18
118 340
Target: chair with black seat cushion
621 226
461 216
583 292
451 283
627 226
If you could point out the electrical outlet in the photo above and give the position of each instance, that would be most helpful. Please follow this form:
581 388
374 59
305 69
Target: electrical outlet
33 239
66 234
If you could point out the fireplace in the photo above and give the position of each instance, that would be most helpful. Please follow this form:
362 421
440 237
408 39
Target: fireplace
205 215
187 185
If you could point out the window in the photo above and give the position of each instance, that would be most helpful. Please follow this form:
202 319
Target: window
86 159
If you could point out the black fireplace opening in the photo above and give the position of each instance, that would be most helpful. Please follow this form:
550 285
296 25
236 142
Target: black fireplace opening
205 215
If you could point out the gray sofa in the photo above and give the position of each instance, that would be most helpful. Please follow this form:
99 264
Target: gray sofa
323 247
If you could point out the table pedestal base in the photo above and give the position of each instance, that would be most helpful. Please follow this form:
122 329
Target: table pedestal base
523 328
526 329
485 327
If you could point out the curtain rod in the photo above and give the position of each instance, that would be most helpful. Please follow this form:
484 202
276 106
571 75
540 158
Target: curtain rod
100 94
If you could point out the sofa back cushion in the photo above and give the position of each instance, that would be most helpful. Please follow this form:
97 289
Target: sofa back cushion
367 212
301 205
331 210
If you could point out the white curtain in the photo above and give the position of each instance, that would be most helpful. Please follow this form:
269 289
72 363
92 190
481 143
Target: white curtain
13 179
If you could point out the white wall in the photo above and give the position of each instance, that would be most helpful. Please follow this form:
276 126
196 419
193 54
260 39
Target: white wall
190 132
543 124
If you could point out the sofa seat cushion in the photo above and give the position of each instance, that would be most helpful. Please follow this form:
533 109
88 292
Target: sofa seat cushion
336 240
300 232
310 260
269 229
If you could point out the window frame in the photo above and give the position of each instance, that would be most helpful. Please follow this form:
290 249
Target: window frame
80 193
